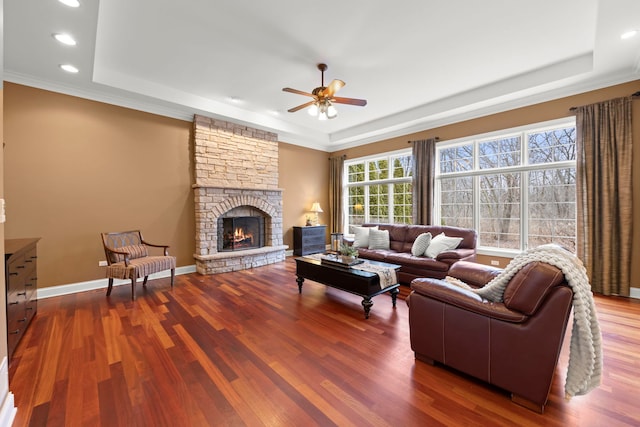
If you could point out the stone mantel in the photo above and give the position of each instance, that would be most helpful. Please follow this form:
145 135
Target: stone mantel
222 187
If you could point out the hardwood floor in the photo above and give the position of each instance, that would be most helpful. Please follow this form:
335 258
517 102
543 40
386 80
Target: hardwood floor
245 348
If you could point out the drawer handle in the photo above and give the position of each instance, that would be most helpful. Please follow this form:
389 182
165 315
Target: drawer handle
28 308
28 284
13 274
34 257
14 302
28 260
22 320
20 266
22 293
16 332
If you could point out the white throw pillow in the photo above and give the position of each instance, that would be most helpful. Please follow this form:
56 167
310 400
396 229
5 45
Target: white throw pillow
421 244
361 239
442 243
379 239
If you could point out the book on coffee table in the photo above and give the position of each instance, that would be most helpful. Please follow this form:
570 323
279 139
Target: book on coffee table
339 260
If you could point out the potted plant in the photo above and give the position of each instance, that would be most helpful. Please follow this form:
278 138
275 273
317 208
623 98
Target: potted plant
348 253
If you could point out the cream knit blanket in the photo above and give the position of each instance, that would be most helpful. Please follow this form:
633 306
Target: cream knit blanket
585 353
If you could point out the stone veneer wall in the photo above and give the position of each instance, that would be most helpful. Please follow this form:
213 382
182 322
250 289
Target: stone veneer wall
235 166
231 155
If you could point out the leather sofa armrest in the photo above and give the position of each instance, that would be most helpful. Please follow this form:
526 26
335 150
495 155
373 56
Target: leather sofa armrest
465 299
454 255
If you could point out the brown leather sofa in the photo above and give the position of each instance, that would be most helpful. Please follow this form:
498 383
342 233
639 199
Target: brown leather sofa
513 345
401 238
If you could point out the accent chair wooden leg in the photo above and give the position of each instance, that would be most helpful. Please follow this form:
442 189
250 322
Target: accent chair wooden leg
110 286
144 282
173 276
133 288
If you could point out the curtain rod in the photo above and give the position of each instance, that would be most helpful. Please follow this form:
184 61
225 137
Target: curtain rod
633 95
436 138
344 156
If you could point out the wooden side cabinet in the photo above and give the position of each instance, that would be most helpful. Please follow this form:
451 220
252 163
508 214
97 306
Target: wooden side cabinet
21 278
309 240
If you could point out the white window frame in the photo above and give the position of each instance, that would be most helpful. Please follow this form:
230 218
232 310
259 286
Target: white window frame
389 156
521 131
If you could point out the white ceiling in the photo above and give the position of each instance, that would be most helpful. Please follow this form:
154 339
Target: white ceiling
419 63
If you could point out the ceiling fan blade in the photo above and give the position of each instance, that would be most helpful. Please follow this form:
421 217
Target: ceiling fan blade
350 101
300 107
333 87
299 92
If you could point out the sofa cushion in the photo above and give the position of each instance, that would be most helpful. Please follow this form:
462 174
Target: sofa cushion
361 236
421 244
441 243
373 254
397 235
420 262
379 239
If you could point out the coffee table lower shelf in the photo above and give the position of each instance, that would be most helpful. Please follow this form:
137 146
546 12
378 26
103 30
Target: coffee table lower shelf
362 283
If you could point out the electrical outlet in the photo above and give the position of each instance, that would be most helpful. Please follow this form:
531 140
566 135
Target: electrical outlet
495 262
102 263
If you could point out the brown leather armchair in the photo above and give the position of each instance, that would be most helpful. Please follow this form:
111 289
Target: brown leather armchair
513 345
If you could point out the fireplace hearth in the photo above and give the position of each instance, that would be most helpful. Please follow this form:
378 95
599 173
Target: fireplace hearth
240 233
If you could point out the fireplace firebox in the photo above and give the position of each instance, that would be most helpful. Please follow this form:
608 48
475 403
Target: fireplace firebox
242 232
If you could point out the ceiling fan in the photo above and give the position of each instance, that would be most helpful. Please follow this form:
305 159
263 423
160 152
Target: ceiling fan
323 98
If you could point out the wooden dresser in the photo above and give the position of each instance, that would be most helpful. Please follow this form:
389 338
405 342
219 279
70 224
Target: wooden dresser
309 240
21 279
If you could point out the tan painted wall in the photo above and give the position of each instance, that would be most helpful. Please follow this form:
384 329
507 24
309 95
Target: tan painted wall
304 176
75 168
523 116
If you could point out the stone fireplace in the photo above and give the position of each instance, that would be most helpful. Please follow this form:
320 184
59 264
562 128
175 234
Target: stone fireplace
236 170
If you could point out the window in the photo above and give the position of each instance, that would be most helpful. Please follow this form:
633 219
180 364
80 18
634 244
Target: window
378 189
517 188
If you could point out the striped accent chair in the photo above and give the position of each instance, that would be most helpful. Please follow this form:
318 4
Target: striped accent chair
128 258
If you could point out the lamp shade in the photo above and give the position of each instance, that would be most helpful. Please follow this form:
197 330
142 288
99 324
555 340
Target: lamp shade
316 207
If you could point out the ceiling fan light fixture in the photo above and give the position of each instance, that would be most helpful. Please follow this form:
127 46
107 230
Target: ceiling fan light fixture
331 111
324 98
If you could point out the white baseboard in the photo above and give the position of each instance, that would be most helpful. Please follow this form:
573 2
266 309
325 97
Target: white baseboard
634 293
72 288
7 408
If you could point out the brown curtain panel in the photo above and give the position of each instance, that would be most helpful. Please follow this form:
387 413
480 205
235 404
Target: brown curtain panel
336 223
603 190
424 165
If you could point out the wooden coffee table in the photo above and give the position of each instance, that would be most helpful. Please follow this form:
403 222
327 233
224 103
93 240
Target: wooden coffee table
363 283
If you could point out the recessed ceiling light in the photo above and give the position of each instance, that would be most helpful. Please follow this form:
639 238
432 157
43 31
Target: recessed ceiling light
71 3
628 34
65 39
69 68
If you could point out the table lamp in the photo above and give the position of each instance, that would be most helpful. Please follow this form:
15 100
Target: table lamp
315 208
